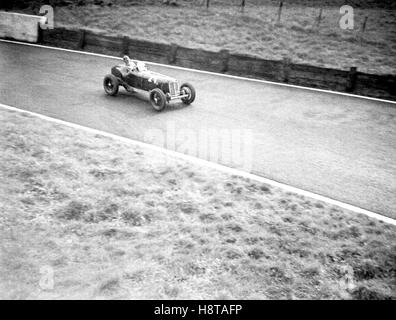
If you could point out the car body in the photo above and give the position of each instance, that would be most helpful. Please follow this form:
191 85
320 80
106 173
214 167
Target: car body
162 89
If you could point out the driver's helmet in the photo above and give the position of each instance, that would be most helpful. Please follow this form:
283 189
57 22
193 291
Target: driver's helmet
126 60
141 66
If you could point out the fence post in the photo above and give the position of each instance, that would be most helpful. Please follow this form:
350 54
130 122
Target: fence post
364 24
352 78
125 45
225 57
319 18
280 11
243 5
286 69
172 53
207 3
392 86
81 40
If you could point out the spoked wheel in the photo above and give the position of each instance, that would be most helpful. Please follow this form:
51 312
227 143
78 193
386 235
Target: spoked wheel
158 99
110 85
189 90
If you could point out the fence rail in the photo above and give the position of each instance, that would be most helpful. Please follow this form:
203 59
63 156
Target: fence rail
352 81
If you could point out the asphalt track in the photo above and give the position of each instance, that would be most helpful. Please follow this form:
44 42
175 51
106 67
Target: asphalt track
341 147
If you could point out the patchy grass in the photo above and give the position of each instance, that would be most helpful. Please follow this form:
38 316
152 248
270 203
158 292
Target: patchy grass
255 31
105 219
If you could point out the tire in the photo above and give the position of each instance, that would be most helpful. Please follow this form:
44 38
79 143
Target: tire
158 99
189 89
110 85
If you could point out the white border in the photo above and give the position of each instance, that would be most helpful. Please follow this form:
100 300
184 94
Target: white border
206 72
21 14
213 165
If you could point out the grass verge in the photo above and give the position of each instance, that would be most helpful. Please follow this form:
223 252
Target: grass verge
85 216
255 31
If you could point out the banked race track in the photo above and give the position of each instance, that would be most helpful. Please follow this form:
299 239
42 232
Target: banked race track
338 146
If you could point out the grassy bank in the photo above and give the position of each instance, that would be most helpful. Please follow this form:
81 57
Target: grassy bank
254 31
84 216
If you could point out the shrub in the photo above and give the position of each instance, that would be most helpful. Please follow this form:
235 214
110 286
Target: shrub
74 210
364 293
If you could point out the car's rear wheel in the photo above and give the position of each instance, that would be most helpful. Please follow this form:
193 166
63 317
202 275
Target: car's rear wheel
158 99
110 85
189 90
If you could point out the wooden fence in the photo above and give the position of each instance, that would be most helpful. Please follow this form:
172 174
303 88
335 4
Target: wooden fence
352 81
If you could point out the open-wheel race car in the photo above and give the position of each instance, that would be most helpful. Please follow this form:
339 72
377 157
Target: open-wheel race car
162 89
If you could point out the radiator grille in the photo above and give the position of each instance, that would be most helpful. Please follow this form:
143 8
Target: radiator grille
173 88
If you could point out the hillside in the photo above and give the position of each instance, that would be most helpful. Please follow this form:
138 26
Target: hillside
84 216
256 31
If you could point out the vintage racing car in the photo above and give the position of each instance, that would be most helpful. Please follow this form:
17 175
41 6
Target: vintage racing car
162 89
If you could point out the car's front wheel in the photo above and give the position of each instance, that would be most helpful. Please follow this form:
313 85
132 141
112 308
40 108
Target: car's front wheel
110 85
188 90
158 99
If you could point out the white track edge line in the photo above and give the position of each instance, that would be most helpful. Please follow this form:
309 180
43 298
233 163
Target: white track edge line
206 72
213 165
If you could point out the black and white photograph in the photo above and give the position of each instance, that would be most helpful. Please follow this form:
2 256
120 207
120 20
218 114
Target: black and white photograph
216 151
